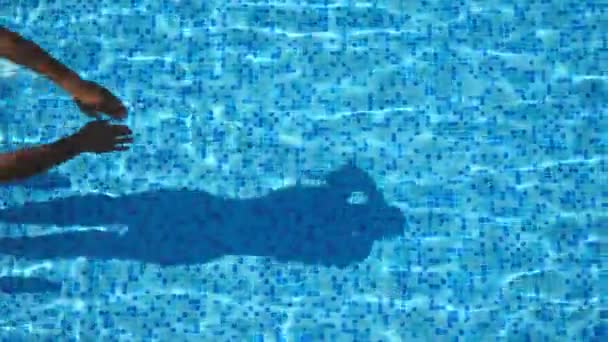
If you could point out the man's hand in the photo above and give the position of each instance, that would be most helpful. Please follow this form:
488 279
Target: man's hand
92 98
101 137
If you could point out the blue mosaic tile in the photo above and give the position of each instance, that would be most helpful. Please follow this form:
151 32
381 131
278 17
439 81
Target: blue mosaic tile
313 171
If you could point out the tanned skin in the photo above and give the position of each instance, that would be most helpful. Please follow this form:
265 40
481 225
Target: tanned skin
95 137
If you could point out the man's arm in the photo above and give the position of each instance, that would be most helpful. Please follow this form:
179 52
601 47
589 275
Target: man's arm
89 96
27 53
31 161
95 137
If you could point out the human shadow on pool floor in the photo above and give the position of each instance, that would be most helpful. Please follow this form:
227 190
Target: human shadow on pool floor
314 225
17 285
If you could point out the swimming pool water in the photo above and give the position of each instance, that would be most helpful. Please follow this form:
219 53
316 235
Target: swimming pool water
314 171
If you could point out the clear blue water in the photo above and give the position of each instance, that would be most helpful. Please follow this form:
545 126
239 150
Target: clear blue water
314 171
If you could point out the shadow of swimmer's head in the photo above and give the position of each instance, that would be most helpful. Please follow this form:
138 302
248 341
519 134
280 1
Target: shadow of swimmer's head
338 223
365 206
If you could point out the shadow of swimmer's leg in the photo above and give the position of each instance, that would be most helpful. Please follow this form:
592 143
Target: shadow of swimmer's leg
16 285
94 244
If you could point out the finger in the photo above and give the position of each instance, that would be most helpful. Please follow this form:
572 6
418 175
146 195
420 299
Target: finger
121 148
124 140
112 146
